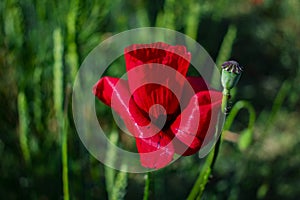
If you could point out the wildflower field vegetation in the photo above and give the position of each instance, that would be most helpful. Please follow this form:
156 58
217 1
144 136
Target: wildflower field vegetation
42 45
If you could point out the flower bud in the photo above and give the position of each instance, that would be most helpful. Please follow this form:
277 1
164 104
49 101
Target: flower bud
231 73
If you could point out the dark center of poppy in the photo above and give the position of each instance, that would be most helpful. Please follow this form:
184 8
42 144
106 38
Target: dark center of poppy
158 116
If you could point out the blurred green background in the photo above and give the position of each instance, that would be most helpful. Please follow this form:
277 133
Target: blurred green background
42 44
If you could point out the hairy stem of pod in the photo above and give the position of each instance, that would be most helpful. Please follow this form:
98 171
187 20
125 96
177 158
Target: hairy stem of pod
225 99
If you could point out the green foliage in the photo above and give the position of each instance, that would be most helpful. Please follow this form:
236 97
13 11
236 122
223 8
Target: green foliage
116 182
42 44
119 189
200 184
24 122
224 53
245 139
58 74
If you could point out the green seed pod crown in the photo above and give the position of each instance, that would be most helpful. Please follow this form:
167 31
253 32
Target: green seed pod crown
231 73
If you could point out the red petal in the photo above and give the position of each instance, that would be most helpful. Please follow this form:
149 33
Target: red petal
192 85
145 81
104 88
108 88
156 151
154 147
176 57
195 121
197 83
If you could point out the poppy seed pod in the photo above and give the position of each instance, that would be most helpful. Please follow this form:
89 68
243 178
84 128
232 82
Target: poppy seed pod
231 73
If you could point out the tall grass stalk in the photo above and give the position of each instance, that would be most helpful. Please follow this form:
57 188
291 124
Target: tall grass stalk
224 54
115 184
13 22
23 126
227 44
37 99
142 18
199 185
110 173
58 106
71 55
193 19
119 189
58 74
282 94
166 18
149 186
64 144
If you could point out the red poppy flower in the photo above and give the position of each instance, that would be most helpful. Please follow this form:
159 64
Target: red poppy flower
164 110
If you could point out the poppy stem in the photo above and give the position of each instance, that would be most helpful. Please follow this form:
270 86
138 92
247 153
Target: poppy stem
202 179
225 109
205 173
64 144
216 152
231 73
149 186
225 99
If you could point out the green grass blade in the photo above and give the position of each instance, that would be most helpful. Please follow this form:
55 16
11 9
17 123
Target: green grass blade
23 126
37 99
224 53
64 152
119 189
148 186
58 73
61 117
110 173
284 91
71 55
193 19
166 18
199 186
246 135
234 111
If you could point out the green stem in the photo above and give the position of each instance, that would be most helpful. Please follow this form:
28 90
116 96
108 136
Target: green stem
202 179
64 145
23 123
210 161
234 111
109 172
216 152
279 99
149 186
224 54
120 184
64 151
61 113
225 99
225 110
